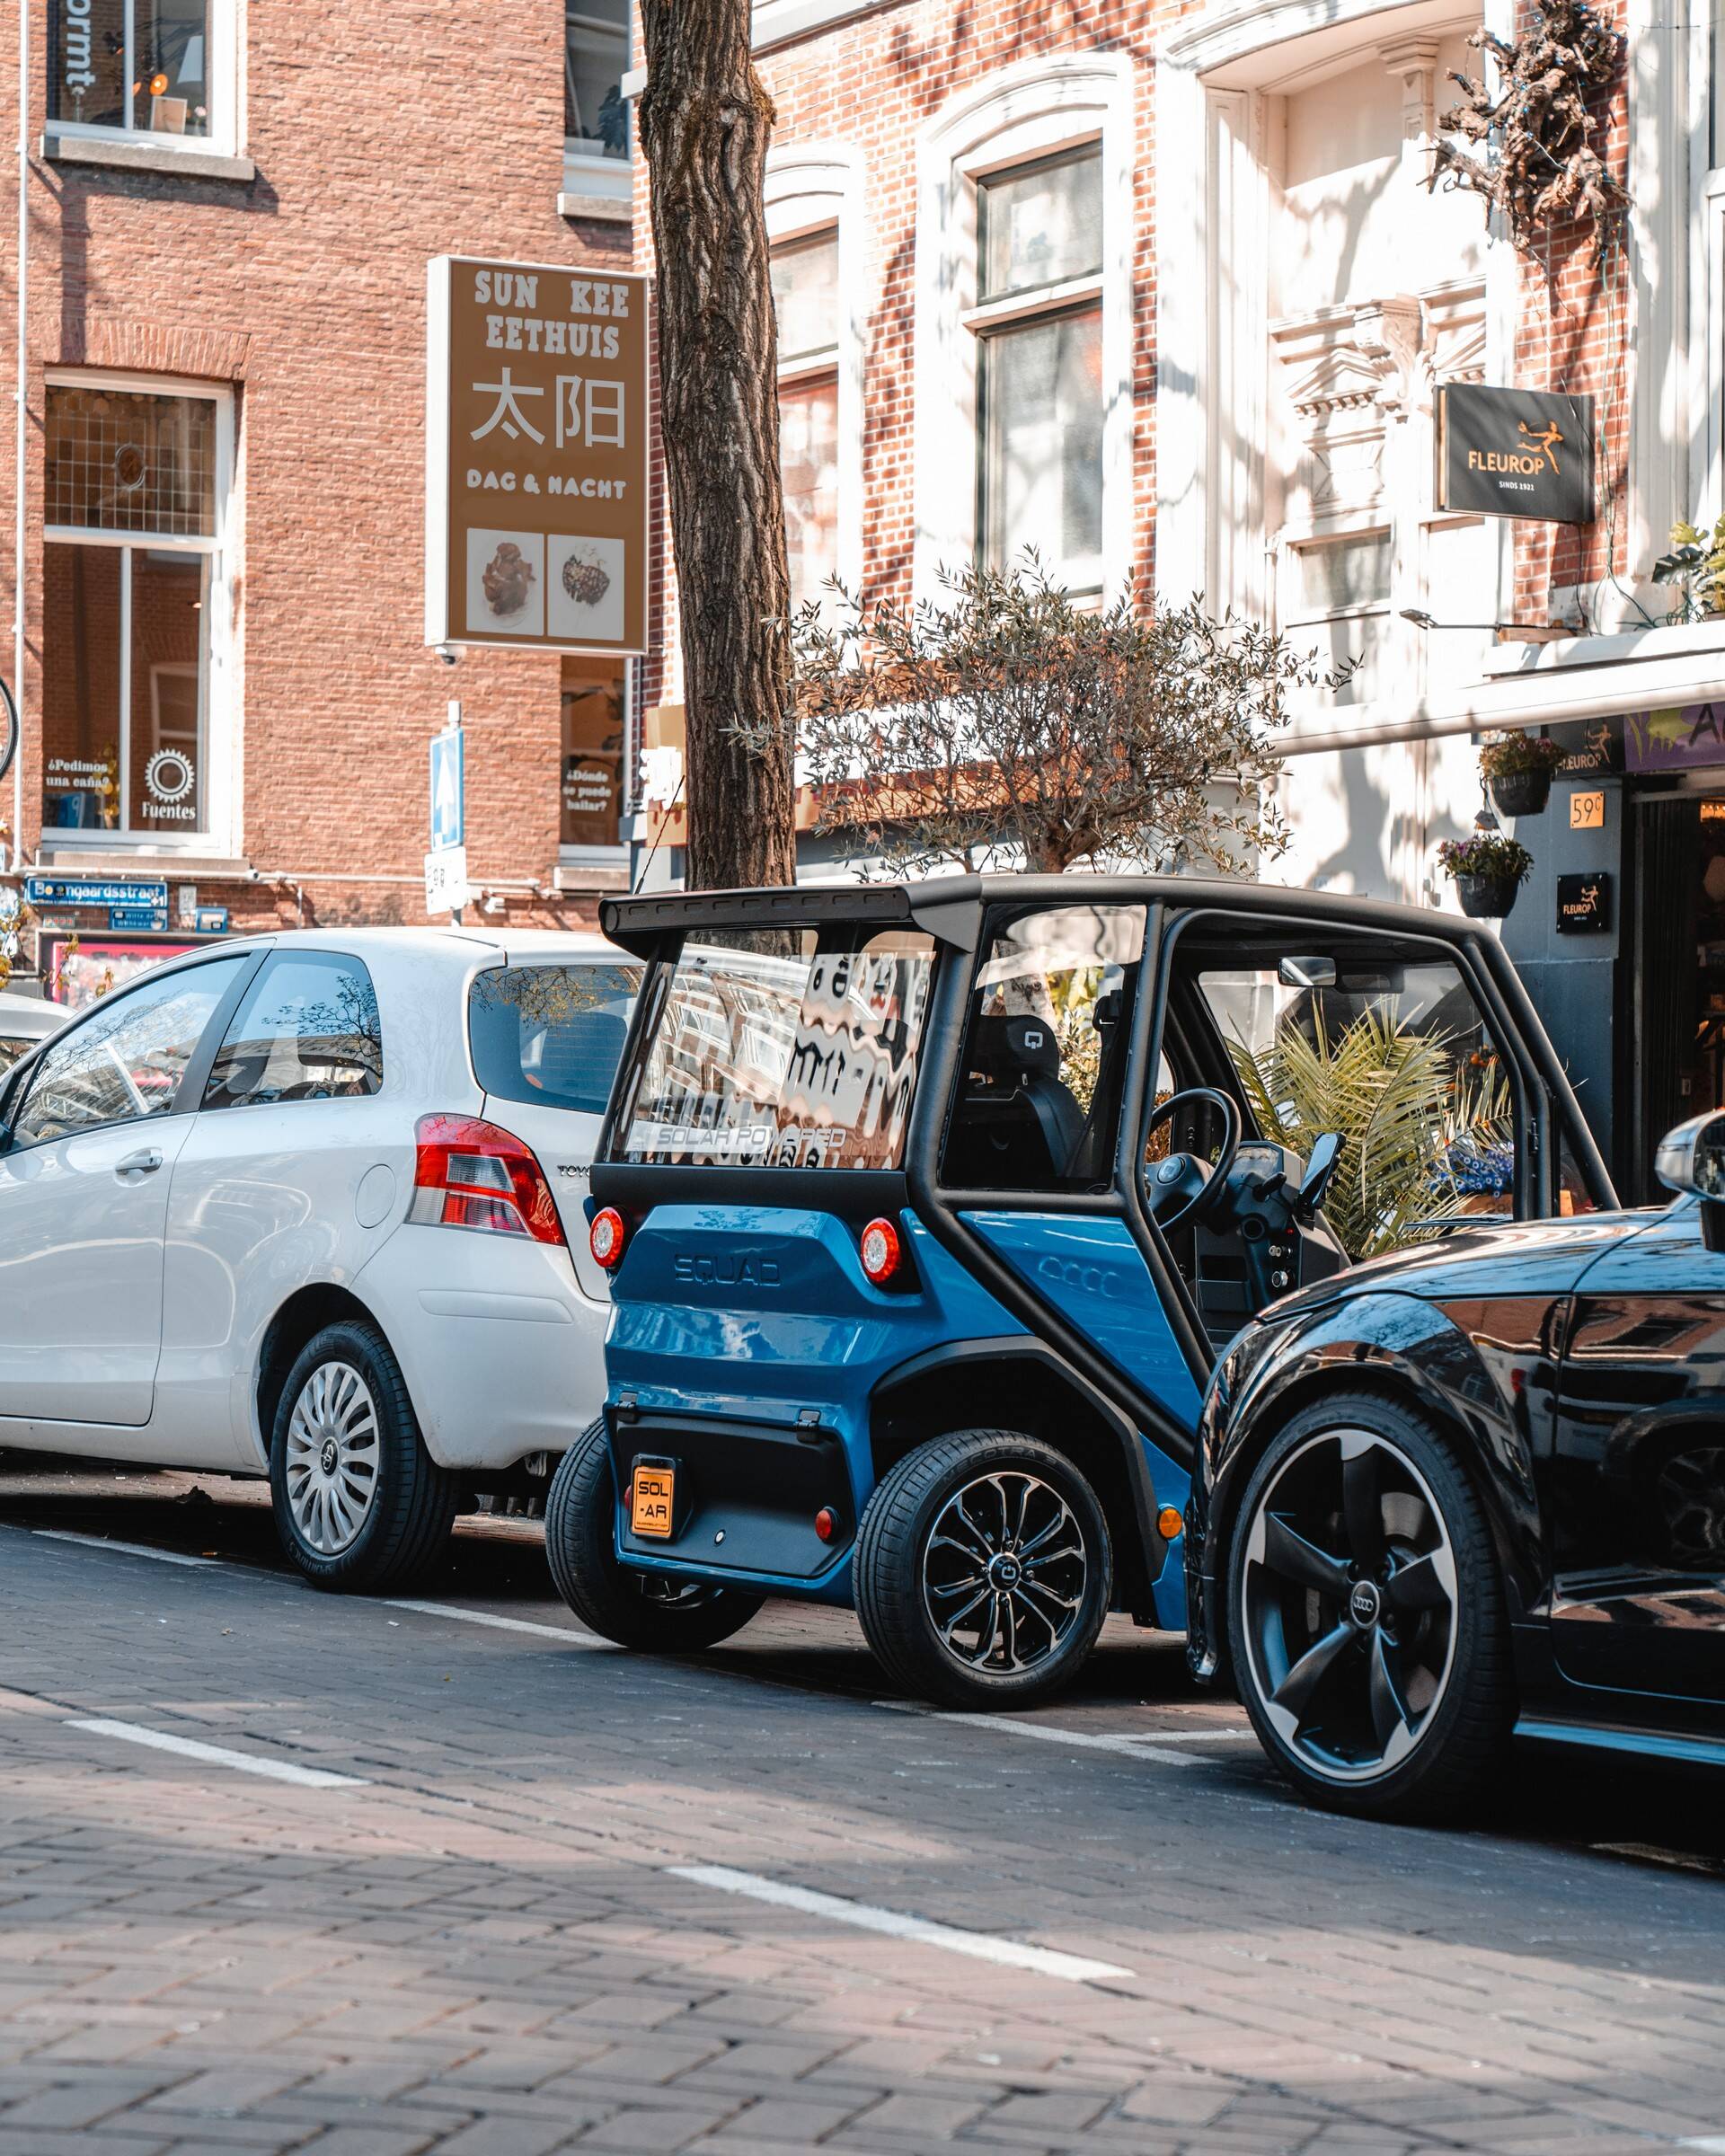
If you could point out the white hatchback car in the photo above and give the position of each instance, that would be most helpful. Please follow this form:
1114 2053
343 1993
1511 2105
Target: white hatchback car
311 1206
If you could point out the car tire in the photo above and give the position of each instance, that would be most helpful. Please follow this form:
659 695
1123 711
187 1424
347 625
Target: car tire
1366 1618
361 1505
1006 1639
650 1611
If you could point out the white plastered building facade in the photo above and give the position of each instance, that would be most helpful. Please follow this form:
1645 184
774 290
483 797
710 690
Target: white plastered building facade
1311 304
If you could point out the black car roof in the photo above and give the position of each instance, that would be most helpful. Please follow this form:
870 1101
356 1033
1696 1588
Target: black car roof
949 907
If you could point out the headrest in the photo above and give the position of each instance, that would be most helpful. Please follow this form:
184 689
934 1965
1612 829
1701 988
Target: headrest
1024 1047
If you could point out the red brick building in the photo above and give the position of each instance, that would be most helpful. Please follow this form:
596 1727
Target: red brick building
231 206
1163 289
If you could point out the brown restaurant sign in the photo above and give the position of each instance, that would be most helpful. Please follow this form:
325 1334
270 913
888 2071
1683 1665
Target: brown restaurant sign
1515 453
536 473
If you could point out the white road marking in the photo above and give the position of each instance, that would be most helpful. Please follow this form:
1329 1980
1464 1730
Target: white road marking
566 1633
1154 1744
101 1542
219 1755
1713 2141
1009 1953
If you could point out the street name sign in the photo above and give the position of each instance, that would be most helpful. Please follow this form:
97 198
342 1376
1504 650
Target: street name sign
78 890
536 472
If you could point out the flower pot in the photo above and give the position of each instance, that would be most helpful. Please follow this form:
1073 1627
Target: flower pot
1486 897
1521 793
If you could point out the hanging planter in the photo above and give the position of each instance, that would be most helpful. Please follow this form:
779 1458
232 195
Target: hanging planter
1488 871
1518 768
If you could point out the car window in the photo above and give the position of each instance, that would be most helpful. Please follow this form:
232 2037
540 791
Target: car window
551 1033
126 1059
1044 1059
1387 1045
782 1048
307 1030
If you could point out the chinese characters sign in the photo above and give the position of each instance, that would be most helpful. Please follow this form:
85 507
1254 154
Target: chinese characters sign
537 457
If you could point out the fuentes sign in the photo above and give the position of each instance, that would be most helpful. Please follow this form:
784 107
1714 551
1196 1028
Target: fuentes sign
1515 453
537 421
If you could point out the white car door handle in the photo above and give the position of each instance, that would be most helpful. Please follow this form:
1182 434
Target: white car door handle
140 1164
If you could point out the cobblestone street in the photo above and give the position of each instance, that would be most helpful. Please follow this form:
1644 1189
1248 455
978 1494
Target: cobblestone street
465 1920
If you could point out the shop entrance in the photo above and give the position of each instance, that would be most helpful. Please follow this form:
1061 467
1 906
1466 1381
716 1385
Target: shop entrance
1677 979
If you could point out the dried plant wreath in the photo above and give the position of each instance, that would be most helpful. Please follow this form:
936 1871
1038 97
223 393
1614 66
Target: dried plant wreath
1541 133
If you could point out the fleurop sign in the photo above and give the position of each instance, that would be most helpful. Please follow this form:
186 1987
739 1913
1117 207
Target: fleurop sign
1515 453
537 435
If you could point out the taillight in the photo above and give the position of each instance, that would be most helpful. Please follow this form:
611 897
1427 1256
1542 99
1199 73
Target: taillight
606 1238
472 1174
880 1252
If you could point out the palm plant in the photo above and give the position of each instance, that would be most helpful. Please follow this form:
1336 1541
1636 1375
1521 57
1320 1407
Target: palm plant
1414 1120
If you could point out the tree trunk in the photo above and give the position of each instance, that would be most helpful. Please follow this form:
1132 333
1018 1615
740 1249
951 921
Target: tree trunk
704 122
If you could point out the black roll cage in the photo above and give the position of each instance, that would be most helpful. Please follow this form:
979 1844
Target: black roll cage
956 911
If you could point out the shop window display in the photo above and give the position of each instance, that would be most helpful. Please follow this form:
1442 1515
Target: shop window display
126 626
595 702
138 66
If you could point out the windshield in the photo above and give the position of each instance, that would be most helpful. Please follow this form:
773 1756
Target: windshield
781 1047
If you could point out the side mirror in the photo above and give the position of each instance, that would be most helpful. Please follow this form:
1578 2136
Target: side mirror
1691 1160
1307 973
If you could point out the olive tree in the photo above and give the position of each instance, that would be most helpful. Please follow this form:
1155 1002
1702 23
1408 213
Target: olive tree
1007 720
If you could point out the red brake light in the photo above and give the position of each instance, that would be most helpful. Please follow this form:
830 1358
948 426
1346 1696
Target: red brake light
470 1174
882 1251
606 1239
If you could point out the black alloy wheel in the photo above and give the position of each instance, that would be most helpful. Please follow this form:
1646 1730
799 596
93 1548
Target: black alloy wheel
983 1570
655 1612
1366 1612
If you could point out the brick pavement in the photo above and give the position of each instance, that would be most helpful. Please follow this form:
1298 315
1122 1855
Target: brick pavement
482 1949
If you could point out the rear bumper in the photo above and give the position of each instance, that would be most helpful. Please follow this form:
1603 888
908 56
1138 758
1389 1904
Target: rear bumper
747 1495
503 1353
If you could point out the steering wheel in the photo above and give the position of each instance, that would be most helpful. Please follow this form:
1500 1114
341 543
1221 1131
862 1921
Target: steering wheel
1183 1187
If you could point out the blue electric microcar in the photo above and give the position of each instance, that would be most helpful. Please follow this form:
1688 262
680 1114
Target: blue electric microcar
928 1209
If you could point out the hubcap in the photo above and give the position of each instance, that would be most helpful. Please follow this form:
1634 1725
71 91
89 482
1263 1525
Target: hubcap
1003 1572
1349 1605
332 1458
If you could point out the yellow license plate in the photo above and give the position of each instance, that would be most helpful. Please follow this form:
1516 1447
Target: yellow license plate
651 1500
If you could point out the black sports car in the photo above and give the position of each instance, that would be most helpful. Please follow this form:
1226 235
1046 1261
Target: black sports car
1475 1487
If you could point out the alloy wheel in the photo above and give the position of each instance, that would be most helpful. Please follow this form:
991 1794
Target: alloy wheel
1349 1605
1004 1570
332 1458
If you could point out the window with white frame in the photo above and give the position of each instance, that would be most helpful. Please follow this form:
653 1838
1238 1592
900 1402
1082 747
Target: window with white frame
596 57
163 70
1038 325
1339 607
133 598
806 302
1023 279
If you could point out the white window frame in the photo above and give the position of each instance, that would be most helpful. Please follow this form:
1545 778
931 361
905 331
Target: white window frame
589 177
226 79
812 188
1019 115
219 833
570 856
